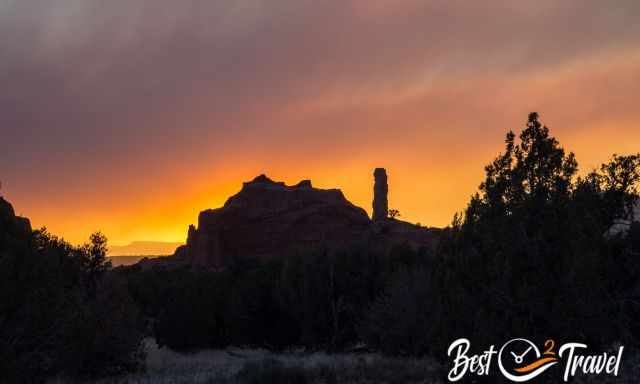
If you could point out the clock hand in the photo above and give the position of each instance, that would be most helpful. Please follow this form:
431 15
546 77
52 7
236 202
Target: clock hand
525 352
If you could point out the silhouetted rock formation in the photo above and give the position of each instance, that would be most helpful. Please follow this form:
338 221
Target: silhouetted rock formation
12 226
267 219
380 190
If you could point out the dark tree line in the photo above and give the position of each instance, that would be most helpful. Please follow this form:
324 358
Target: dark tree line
312 299
61 312
533 255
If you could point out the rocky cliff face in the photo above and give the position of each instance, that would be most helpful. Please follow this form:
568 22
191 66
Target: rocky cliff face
266 219
12 228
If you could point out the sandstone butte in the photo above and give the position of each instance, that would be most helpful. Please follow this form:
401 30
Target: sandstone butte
268 219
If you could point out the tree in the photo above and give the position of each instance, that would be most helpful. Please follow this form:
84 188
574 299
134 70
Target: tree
619 182
531 256
529 175
61 312
535 235
93 257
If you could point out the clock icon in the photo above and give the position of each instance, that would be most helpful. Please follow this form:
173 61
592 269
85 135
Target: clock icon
520 360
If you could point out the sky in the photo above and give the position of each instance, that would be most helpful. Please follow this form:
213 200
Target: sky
131 116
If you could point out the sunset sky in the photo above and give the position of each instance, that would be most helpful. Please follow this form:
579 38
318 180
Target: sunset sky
132 116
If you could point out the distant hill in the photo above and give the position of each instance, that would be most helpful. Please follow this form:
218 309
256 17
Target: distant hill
144 248
117 261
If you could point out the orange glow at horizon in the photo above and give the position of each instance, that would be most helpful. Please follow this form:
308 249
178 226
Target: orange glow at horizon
423 190
133 127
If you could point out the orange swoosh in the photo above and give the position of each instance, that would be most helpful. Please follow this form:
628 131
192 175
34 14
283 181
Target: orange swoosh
535 364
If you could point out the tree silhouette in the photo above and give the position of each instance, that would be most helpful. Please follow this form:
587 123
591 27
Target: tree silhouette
531 255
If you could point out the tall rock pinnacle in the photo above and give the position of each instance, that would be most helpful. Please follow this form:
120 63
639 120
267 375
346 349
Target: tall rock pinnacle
380 190
269 219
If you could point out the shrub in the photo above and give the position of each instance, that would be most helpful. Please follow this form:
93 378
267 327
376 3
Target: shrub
61 313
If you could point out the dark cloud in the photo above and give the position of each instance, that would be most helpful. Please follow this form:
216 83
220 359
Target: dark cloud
93 86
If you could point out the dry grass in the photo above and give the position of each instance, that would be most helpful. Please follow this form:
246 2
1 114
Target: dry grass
245 366
256 366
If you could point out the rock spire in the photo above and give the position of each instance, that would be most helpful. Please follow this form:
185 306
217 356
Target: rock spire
380 190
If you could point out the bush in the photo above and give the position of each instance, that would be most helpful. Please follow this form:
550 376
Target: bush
398 322
62 313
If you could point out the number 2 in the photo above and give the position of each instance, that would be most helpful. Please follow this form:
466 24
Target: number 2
549 345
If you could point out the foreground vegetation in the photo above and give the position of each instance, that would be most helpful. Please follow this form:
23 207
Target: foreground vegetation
61 311
533 255
259 366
